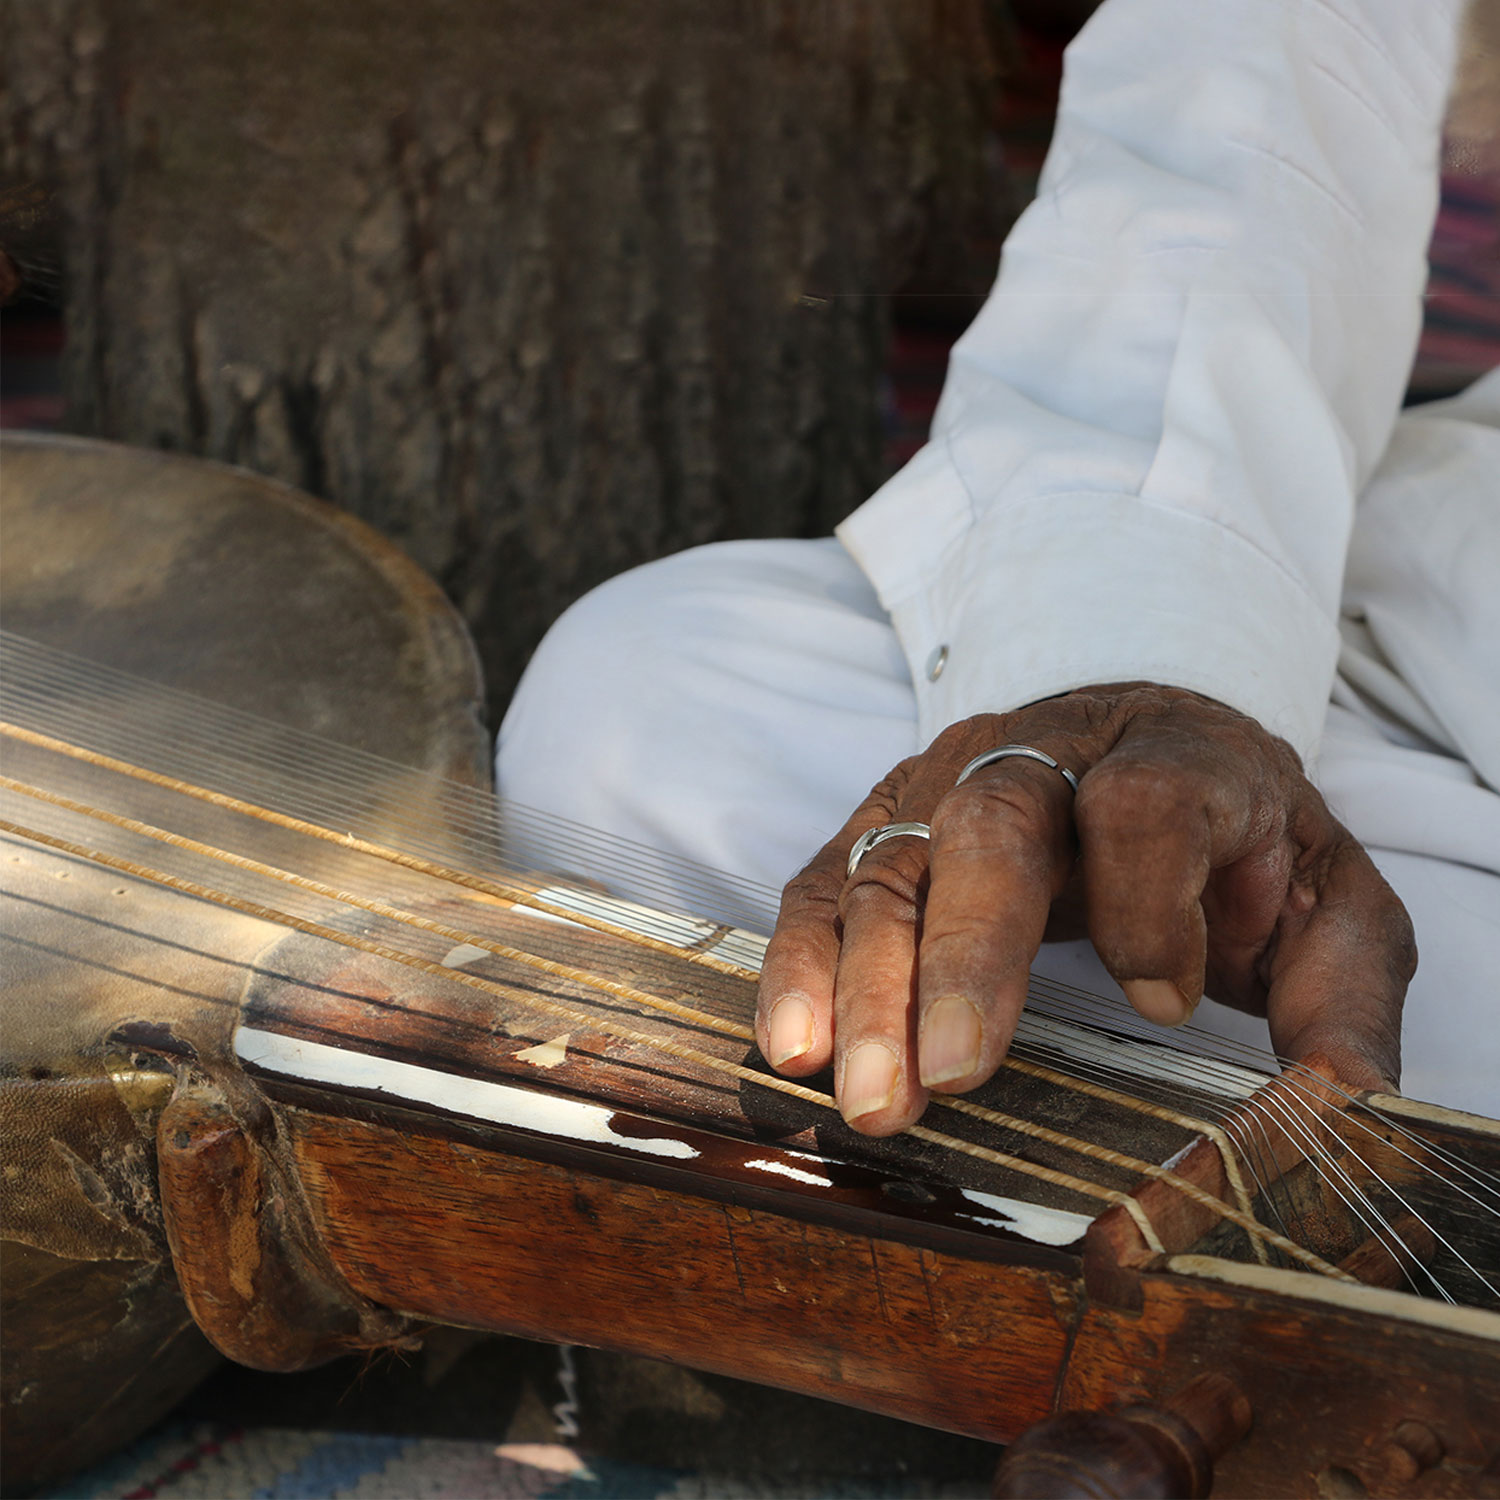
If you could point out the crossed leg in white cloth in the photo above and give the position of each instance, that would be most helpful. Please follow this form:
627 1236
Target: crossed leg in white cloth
731 705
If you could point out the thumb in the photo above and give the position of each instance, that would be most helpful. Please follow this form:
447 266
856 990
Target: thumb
1345 955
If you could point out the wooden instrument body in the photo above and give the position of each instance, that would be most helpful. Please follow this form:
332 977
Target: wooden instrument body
328 1150
462 1174
458 1226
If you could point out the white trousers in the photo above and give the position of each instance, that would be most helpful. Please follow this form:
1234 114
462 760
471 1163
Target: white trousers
730 706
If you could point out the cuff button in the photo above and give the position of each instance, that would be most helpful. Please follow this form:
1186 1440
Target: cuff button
936 662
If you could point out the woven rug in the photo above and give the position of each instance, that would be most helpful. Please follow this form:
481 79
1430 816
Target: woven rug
472 1417
211 1462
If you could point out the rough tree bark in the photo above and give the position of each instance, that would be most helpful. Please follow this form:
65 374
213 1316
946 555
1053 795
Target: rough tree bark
541 288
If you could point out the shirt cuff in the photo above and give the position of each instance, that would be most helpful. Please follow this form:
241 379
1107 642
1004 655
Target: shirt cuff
1191 604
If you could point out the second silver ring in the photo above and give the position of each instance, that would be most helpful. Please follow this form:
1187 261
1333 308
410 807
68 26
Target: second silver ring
872 837
1004 752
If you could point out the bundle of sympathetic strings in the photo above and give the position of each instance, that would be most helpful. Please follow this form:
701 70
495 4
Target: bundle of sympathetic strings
481 912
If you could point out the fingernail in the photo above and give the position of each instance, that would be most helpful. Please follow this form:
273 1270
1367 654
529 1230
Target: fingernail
949 1045
791 1029
869 1080
1159 1000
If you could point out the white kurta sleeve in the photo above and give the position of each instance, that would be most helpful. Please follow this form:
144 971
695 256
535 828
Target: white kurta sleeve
1151 440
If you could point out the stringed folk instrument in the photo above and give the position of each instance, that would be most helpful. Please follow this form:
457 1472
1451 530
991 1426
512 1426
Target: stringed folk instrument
394 1076
452 1092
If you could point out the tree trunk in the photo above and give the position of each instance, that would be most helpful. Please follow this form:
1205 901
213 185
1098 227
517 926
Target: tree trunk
540 288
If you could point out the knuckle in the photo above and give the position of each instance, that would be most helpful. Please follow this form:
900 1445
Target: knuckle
810 891
1005 825
1005 813
890 886
886 794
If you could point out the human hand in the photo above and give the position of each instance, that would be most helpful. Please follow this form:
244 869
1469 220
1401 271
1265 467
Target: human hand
1195 854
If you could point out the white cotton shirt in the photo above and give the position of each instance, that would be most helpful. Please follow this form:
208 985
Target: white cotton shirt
1146 460
1168 448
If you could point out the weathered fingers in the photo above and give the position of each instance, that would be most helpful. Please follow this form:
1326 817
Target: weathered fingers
1002 847
874 1025
1344 957
795 1012
1156 819
1201 854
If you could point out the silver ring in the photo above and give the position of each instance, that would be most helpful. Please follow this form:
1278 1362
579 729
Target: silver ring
1004 753
873 836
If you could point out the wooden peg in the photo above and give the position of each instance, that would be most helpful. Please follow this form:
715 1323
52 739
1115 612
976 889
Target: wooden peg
1144 1452
1412 1448
255 1279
